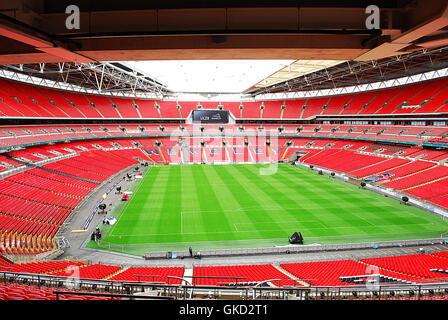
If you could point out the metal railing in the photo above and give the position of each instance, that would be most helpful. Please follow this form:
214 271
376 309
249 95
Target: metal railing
259 290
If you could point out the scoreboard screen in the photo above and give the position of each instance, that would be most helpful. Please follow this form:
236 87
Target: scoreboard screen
211 116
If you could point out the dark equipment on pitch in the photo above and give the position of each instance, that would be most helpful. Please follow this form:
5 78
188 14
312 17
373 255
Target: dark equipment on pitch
363 184
102 207
197 255
296 238
96 235
320 172
128 176
118 189
405 199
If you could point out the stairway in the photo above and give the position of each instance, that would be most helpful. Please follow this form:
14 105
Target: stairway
115 273
412 173
290 275
422 184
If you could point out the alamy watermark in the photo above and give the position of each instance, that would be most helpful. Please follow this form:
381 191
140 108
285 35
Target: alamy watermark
73 21
373 20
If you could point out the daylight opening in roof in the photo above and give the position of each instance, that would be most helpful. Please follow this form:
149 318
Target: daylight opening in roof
199 76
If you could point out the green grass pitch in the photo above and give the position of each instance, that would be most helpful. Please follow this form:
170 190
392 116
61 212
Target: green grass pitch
229 206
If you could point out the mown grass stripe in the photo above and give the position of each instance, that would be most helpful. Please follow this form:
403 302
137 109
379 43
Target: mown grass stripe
245 195
220 205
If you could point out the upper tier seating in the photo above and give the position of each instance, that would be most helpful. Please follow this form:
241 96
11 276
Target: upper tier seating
336 104
23 100
104 106
272 110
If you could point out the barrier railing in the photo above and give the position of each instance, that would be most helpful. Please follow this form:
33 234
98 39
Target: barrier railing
265 289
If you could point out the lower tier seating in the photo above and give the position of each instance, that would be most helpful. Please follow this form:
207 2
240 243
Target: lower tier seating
151 274
34 203
93 271
244 274
418 265
341 273
33 292
406 269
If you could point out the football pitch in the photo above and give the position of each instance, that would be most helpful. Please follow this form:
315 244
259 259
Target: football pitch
234 206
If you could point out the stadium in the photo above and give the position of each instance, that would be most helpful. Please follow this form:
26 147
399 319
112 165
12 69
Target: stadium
284 150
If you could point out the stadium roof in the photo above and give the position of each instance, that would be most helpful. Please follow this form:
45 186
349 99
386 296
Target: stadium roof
209 76
352 73
232 79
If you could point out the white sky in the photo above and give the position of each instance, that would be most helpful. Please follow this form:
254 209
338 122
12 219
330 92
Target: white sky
223 76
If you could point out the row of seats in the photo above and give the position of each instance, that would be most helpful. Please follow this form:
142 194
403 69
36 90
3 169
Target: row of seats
379 167
344 160
95 165
243 274
26 135
418 178
93 271
329 273
64 186
22 191
23 100
151 274
36 202
417 265
405 269
40 267
32 292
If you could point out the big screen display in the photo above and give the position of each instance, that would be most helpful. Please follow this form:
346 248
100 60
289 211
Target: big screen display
211 116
